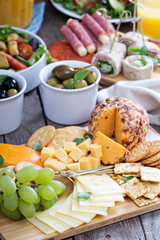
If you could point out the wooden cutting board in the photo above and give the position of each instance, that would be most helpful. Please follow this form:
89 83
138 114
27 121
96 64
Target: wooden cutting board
18 230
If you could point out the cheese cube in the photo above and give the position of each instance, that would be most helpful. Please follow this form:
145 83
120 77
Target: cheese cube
96 150
85 144
69 146
68 160
76 154
47 153
85 163
74 166
60 154
54 164
85 152
95 161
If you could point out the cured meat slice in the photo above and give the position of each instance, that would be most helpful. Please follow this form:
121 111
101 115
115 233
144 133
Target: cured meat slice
153 49
78 29
137 67
95 28
73 40
102 22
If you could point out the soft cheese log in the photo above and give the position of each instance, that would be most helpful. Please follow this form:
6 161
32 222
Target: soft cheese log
73 40
95 28
137 67
78 29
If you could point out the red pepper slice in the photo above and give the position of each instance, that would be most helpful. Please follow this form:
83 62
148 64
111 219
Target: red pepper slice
89 4
15 64
25 51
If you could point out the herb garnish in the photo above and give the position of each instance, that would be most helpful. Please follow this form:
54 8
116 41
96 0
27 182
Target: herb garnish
78 76
83 195
1 161
36 146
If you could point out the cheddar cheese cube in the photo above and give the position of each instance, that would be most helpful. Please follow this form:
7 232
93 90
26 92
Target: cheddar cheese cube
76 154
60 154
68 160
96 150
85 163
85 144
85 152
74 166
54 164
69 146
47 153
95 161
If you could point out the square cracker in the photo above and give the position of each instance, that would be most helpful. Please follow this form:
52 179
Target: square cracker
154 190
134 188
151 174
117 178
141 201
121 168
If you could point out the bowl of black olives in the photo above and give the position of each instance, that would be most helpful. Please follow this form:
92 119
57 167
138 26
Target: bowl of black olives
12 88
69 90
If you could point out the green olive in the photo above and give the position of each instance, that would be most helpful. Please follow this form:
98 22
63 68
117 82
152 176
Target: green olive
52 81
66 81
81 84
64 73
59 86
11 92
58 67
91 77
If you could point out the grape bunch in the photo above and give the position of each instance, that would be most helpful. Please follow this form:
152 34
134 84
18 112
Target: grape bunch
21 195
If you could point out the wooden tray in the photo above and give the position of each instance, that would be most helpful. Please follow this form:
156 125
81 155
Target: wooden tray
108 81
18 230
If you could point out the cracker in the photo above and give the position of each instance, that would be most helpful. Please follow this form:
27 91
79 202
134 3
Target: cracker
131 175
117 178
139 152
154 164
150 174
123 168
43 134
152 159
141 201
67 134
158 166
155 149
134 188
154 190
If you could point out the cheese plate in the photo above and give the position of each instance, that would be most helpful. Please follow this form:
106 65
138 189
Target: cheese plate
121 211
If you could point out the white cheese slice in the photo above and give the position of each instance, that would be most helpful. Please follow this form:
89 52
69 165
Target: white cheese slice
40 225
107 198
66 209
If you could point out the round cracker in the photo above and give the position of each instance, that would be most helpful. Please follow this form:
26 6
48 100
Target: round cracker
152 159
153 164
139 152
43 134
66 134
155 149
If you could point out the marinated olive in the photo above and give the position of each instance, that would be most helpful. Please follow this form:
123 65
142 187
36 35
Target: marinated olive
34 44
52 81
0 85
64 73
91 77
58 67
3 94
80 84
9 82
11 92
66 81
59 86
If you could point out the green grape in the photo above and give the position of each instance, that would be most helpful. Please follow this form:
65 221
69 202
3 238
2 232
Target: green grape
27 209
27 174
11 201
6 171
46 191
58 187
38 199
49 203
37 206
1 198
15 215
44 176
7 185
28 194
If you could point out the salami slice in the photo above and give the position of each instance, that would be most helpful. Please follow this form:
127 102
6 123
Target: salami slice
102 22
95 28
73 40
78 29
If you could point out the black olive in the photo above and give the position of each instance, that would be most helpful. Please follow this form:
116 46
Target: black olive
9 82
3 94
0 85
34 44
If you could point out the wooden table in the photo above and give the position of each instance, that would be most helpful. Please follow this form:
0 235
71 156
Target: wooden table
144 227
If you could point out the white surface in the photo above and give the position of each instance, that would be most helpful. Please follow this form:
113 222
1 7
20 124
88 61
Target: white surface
73 14
11 108
65 106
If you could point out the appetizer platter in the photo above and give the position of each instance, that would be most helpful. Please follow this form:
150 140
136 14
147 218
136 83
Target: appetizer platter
96 176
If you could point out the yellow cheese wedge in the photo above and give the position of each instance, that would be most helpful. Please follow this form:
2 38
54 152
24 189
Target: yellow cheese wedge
112 152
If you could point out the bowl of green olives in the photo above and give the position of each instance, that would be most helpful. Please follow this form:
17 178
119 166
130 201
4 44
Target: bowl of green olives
12 88
69 90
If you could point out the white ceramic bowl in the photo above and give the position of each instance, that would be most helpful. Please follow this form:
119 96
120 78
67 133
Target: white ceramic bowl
31 74
11 108
65 106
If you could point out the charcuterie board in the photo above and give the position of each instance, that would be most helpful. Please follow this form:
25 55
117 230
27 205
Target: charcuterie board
108 81
17 230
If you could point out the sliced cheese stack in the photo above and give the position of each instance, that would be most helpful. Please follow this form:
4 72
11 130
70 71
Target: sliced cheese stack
120 117
71 212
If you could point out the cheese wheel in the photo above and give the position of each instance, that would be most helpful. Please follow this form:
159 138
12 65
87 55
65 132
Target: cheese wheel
120 117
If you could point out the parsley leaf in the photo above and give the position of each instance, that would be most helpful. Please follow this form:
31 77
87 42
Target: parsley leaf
1 161
36 146
83 195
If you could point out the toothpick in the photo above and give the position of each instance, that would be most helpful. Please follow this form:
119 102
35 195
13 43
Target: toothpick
141 30
135 14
